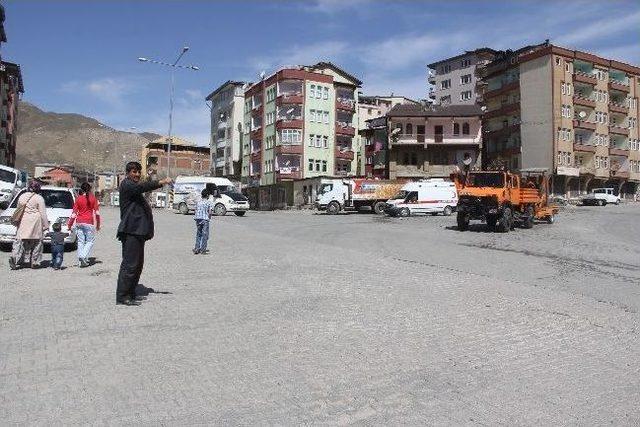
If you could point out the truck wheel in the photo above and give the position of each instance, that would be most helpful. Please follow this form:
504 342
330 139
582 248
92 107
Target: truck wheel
491 222
600 203
550 219
617 201
448 210
333 208
405 212
463 221
528 221
378 207
184 210
506 221
240 213
219 210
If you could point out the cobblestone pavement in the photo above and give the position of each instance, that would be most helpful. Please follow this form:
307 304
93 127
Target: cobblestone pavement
297 317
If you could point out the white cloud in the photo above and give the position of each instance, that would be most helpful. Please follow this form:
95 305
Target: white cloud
334 6
109 90
601 28
301 55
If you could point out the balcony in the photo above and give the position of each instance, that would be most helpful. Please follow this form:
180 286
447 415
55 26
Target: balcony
618 85
346 104
619 151
289 123
502 90
503 131
288 174
431 79
344 153
432 94
289 149
408 139
587 169
618 130
582 124
584 77
343 128
584 148
503 110
289 98
618 107
584 101
255 156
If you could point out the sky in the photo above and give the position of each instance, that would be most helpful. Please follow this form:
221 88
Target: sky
81 56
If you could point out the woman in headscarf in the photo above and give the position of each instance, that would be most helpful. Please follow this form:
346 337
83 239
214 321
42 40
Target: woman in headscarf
27 248
87 218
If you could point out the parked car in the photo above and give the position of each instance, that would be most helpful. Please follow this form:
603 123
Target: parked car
430 196
600 197
59 203
11 182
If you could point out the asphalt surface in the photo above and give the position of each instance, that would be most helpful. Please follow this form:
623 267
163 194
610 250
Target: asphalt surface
303 318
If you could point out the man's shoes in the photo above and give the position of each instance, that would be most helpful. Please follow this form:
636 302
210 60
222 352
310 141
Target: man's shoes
139 298
205 252
128 301
87 261
12 263
83 263
195 251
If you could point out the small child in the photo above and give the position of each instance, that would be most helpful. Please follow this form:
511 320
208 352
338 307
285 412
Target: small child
57 245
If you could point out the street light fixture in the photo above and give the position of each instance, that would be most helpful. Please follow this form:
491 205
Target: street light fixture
173 66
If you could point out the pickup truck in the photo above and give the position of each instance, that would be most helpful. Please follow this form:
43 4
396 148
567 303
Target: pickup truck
600 197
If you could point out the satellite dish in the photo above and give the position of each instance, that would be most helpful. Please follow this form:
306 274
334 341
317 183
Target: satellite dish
582 114
483 108
290 110
467 161
287 163
395 131
262 73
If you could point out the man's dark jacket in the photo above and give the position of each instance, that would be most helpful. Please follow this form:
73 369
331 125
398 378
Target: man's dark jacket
135 213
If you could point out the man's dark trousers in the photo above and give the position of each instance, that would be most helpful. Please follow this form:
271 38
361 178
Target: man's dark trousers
131 267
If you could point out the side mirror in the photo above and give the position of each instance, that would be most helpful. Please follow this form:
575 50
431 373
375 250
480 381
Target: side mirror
19 183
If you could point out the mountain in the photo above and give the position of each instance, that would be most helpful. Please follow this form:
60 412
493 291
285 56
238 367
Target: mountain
47 137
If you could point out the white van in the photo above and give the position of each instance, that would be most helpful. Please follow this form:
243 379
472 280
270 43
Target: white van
430 196
11 182
187 189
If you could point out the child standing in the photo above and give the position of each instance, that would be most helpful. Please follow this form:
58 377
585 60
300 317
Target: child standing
57 245
204 208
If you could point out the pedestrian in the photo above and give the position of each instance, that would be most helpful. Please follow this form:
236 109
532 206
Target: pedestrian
57 245
204 209
136 227
86 216
30 231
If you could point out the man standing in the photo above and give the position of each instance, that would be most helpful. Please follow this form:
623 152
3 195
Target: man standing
136 227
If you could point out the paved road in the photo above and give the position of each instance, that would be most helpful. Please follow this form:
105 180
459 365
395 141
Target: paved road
304 318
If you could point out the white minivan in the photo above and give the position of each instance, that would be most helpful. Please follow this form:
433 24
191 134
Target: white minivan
187 189
429 196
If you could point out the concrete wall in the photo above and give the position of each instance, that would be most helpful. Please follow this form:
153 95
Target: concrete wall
456 88
536 113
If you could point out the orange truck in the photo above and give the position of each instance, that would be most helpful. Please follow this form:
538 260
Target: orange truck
503 199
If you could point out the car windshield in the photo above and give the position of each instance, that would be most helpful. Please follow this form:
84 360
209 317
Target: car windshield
599 191
325 188
236 197
402 194
495 180
59 199
7 176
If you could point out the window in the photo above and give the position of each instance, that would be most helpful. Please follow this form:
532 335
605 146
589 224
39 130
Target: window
567 67
312 139
445 99
465 96
409 129
420 129
558 60
310 165
318 141
465 80
326 117
325 141
324 165
325 93
465 128
290 136
456 129
318 163
445 84
563 88
465 63
318 92
312 91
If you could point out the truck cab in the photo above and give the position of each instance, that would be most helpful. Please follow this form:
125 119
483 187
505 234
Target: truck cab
333 195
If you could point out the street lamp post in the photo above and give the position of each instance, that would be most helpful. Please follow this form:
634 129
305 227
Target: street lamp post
173 66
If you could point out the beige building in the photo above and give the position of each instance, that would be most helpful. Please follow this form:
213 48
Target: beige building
432 141
571 112
186 158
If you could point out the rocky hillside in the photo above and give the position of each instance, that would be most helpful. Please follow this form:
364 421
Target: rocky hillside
72 139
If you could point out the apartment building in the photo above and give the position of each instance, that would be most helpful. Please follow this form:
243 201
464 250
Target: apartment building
372 132
186 158
570 112
300 122
431 141
453 80
227 117
11 87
